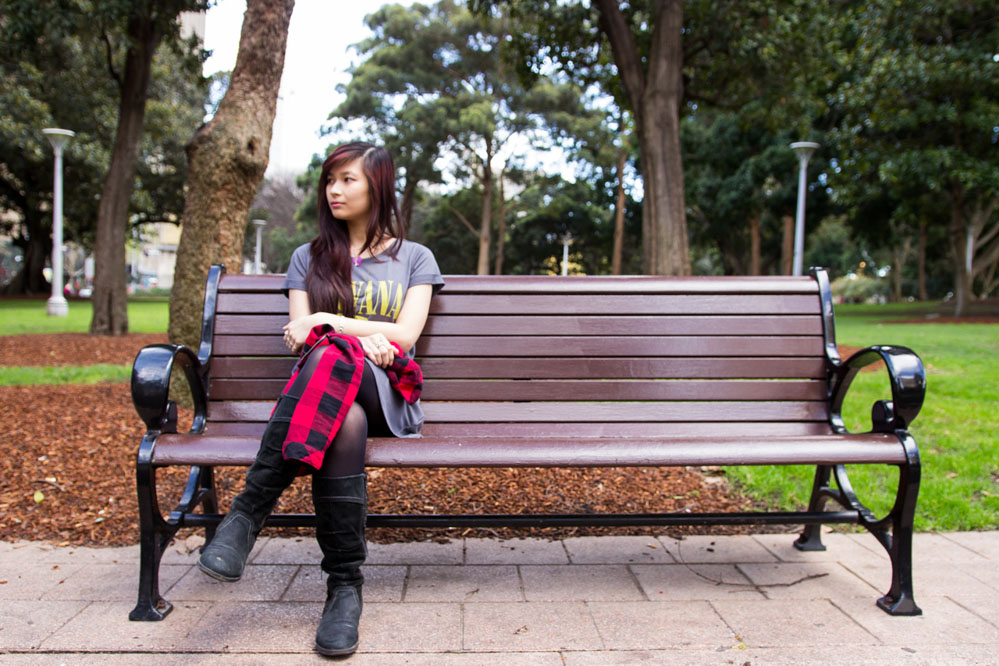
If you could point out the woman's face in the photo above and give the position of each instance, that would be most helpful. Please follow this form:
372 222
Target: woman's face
347 193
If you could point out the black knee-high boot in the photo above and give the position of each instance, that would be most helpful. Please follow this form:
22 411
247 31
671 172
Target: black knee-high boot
270 474
341 505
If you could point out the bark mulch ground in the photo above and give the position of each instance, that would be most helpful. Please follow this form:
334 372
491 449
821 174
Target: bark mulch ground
67 459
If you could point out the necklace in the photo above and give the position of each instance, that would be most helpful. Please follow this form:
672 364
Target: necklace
356 260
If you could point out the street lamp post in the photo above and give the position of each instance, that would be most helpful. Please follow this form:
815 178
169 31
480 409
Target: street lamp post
57 305
566 239
256 257
804 150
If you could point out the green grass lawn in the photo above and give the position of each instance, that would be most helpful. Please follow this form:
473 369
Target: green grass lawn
956 430
22 315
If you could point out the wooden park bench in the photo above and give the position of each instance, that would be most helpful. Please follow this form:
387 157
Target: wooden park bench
546 371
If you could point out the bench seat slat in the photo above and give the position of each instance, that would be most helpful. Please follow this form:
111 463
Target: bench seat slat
255 429
571 389
527 452
574 412
264 324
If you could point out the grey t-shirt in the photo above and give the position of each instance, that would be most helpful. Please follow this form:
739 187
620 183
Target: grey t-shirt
380 284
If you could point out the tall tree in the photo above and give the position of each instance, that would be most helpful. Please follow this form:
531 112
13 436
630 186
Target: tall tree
147 23
918 103
227 159
433 82
56 77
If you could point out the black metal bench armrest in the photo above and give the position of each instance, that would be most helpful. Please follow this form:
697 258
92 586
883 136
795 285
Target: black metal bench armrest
151 386
908 387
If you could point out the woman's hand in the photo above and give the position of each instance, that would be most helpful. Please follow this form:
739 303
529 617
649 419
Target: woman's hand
378 349
297 330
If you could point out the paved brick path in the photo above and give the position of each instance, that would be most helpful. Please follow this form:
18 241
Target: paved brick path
574 602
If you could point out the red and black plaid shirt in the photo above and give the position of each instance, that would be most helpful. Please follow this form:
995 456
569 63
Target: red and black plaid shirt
332 389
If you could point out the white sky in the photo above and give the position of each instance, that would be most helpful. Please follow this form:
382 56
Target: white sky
316 61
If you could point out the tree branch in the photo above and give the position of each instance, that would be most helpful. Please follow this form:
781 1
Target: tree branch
464 221
614 25
109 53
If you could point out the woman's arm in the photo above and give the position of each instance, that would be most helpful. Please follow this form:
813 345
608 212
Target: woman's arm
374 335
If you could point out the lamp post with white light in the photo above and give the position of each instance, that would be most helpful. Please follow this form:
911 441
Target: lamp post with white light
57 305
804 150
256 257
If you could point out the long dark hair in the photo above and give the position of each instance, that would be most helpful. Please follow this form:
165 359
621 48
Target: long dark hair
328 280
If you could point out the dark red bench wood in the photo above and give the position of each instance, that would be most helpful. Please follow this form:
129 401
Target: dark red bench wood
562 372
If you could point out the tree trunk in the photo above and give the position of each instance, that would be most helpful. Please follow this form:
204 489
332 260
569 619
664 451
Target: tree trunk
962 258
36 248
227 159
618 249
754 244
921 261
787 247
500 229
899 255
110 297
485 226
408 195
655 100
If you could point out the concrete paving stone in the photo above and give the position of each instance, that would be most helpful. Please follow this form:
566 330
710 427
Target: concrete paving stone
984 604
33 580
258 627
398 659
936 548
381 583
699 549
787 622
839 548
642 625
416 627
80 555
471 583
293 550
419 552
942 622
985 544
104 626
617 550
682 582
259 583
927 579
514 551
24 624
580 582
844 655
984 574
109 582
518 627
821 580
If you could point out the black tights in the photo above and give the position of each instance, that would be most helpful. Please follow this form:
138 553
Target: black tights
345 455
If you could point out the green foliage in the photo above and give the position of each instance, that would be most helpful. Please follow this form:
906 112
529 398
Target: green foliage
914 122
61 64
859 288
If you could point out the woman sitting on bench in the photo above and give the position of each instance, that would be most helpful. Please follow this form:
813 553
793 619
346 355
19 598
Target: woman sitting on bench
359 295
